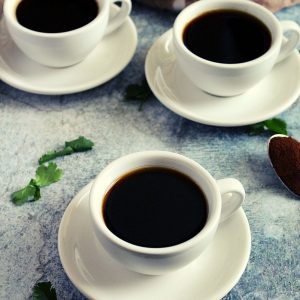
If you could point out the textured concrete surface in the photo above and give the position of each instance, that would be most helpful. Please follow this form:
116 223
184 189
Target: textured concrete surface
32 124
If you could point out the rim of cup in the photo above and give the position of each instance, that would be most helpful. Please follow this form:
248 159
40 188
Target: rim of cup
9 12
98 192
195 9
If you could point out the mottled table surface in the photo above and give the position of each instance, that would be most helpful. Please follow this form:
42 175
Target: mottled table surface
32 124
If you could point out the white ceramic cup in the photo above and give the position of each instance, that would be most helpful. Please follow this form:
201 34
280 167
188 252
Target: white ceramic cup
232 79
65 48
224 197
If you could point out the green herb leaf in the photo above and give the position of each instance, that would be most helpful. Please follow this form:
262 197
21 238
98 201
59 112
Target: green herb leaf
138 92
274 125
54 154
45 175
80 145
48 174
277 126
44 291
31 192
257 129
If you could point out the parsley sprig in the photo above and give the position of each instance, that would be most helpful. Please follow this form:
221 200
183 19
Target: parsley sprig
44 176
79 145
274 125
138 92
50 173
44 291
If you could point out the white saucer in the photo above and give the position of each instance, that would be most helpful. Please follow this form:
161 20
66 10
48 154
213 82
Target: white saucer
274 94
99 277
107 60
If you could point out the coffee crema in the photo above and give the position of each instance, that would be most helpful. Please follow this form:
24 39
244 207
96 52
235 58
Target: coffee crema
55 16
227 36
155 207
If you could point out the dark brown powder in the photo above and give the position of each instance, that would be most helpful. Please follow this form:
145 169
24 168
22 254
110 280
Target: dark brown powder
284 153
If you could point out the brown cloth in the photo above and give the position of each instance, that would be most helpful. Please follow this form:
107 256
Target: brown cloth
273 5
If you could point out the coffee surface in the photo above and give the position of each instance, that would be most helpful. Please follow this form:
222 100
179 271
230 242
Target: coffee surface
155 207
227 36
54 16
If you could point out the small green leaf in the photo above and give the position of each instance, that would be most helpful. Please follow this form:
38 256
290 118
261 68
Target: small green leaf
274 125
45 175
37 194
80 145
28 193
48 174
54 154
277 126
256 129
138 92
44 291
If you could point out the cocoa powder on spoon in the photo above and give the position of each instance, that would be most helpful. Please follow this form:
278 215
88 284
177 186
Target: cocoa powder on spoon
284 153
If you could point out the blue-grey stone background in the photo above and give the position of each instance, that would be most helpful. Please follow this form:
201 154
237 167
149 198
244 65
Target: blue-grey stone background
32 124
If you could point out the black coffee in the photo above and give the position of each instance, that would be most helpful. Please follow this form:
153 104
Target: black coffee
227 36
155 207
53 16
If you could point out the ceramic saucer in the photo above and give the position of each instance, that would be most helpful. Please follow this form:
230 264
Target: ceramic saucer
102 64
274 94
99 277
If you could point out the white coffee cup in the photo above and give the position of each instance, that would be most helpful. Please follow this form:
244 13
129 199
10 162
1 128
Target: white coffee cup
223 197
65 48
232 79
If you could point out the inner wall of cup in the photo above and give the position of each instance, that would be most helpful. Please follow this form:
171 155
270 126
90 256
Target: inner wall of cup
118 169
196 9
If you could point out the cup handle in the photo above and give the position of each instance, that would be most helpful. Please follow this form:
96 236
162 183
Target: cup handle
119 18
166 53
232 194
289 45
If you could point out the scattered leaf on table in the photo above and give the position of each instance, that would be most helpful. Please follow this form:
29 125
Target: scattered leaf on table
79 145
47 174
44 291
138 92
274 125
31 192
